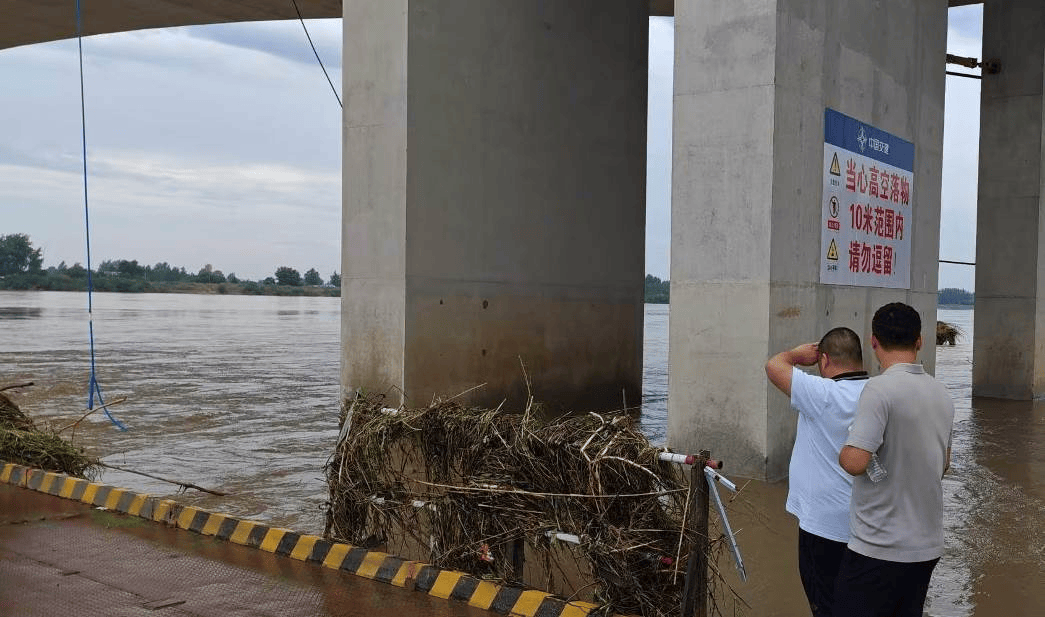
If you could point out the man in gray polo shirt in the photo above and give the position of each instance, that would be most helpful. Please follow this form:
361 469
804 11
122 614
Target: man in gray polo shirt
898 448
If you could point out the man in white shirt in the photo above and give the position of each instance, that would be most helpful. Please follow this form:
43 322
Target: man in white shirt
819 491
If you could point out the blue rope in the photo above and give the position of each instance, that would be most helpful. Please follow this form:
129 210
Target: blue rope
92 386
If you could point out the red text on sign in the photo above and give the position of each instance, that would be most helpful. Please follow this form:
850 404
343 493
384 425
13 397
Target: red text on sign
871 258
875 182
877 221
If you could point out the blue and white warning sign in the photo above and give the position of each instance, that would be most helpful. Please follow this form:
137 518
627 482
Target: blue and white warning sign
867 205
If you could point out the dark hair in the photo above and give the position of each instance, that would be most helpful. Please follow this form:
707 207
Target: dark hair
843 346
896 326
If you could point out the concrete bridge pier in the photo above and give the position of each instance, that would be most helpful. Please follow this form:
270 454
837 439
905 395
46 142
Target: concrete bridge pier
752 82
1009 342
494 199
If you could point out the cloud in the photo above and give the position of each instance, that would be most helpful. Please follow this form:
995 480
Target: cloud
961 144
220 48
965 22
658 146
146 90
244 219
198 152
284 39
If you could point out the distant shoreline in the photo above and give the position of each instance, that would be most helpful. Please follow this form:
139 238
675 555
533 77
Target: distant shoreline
208 289
251 288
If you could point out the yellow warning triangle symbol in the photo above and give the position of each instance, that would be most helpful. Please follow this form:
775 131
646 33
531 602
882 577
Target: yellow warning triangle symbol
835 169
832 251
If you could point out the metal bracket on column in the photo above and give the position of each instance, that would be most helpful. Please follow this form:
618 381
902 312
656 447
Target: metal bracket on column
967 62
990 67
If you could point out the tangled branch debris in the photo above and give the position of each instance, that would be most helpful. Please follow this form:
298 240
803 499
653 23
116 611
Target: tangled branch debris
947 333
23 444
465 488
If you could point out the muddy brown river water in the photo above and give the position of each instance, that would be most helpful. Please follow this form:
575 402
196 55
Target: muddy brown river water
239 393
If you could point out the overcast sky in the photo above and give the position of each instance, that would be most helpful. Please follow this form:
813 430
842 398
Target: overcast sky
221 145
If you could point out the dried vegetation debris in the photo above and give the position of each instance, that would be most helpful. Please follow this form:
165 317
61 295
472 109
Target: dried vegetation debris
947 333
467 487
22 443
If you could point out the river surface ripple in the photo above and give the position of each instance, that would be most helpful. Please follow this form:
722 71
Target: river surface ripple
239 393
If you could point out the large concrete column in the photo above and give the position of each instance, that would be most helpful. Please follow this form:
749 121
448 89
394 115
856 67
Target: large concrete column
494 199
752 81
1009 342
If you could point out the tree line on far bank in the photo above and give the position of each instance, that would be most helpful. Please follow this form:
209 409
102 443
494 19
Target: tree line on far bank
659 292
21 267
956 297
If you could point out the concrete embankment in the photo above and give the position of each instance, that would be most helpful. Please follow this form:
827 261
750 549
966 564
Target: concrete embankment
69 546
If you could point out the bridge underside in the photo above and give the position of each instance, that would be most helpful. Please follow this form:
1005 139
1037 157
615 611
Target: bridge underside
37 21
25 22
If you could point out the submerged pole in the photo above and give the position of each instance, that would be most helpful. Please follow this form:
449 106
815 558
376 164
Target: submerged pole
695 592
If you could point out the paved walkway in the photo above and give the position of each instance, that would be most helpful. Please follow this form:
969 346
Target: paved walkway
63 557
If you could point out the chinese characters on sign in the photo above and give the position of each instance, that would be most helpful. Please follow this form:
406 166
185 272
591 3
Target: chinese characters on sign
867 205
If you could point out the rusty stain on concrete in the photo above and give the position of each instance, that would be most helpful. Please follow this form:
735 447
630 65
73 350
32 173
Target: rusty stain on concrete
791 311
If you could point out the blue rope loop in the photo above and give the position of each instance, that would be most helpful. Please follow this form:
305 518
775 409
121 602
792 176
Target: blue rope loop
92 389
92 385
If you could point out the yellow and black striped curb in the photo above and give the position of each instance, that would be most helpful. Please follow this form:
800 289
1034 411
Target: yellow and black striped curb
313 549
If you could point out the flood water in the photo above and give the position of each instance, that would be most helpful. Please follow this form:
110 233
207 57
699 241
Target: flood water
239 393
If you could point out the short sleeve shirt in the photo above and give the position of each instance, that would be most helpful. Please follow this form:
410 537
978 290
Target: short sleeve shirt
819 489
905 416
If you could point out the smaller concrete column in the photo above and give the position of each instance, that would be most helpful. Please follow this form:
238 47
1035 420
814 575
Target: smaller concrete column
1009 341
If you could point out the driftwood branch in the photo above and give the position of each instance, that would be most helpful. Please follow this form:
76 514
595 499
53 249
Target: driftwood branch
89 412
178 482
16 385
517 491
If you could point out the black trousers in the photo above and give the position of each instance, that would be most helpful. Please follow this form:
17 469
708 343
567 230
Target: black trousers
818 563
869 587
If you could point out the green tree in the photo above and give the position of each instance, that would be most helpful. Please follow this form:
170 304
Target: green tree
208 274
76 271
657 291
163 271
312 277
17 255
288 276
335 280
122 267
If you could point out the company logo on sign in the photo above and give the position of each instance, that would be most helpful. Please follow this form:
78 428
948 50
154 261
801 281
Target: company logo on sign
876 144
879 145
